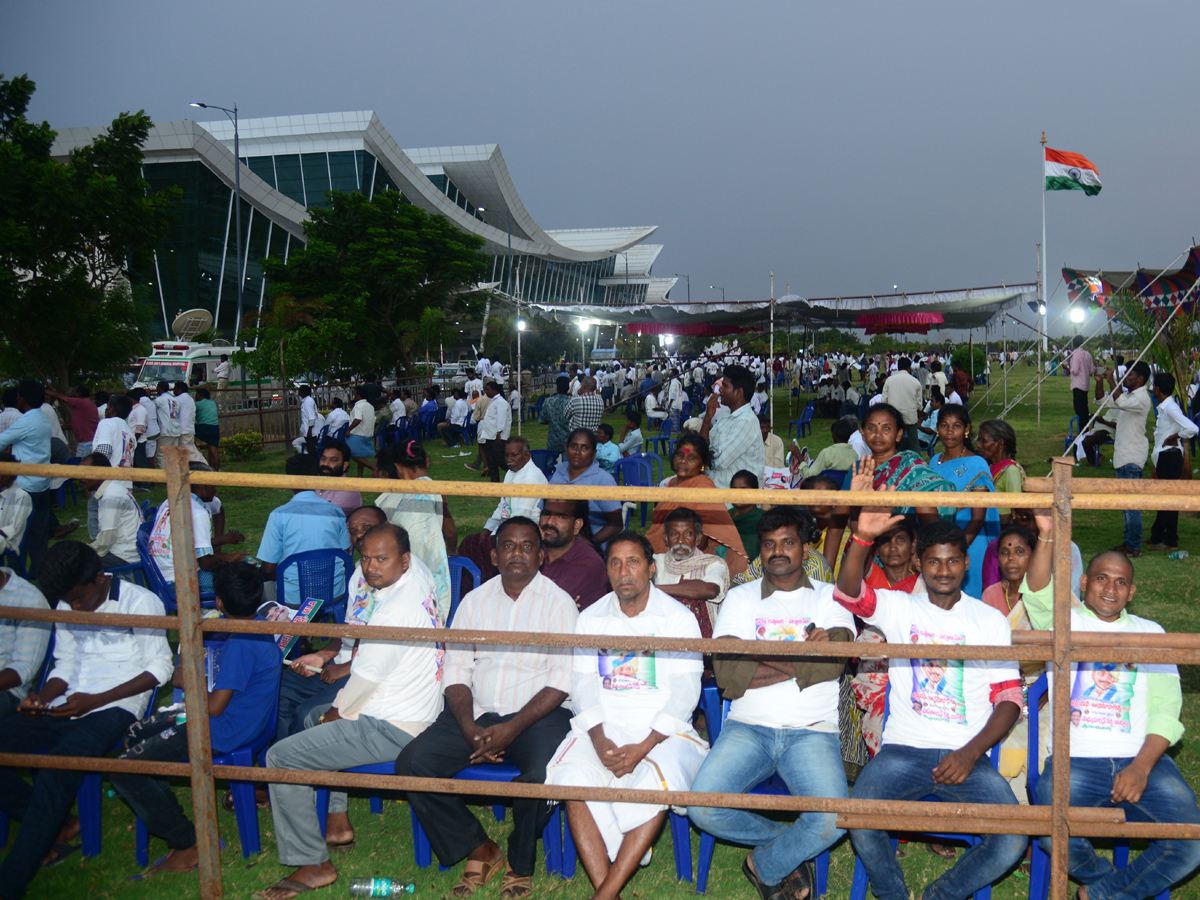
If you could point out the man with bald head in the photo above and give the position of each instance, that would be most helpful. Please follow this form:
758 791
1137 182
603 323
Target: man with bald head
1128 717
393 693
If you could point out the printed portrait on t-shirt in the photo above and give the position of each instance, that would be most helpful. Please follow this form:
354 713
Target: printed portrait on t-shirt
1103 695
937 684
363 599
632 670
780 629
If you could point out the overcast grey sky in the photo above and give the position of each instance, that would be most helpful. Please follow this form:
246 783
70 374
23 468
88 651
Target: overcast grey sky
847 146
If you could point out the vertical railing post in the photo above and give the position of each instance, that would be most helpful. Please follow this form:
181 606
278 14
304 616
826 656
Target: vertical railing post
195 684
1061 698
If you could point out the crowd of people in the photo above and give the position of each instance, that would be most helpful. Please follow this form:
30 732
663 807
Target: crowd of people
927 574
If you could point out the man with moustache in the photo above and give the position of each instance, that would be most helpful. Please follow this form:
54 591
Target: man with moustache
334 463
784 712
502 703
696 579
571 560
394 691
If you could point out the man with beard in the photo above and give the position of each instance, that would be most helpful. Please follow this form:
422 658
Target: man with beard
503 703
395 689
335 461
632 727
784 712
571 560
696 579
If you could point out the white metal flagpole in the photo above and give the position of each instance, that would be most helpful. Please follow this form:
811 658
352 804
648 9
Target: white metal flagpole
1045 259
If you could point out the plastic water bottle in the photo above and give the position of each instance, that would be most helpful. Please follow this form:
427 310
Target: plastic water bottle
1178 554
380 887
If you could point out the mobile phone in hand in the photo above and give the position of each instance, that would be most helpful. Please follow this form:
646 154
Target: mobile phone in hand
809 629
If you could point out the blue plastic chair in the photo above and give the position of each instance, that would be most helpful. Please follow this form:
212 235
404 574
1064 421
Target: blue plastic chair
635 472
545 460
858 887
655 461
68 485
322 437
458 565
316 571
661 442
716 711
1072 430
838 475
803 424
245 809
1039 875
154 578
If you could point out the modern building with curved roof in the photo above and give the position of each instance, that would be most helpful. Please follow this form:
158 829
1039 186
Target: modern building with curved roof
288 164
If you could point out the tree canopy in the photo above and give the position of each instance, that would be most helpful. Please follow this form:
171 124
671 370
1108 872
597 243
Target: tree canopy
68 235
373 267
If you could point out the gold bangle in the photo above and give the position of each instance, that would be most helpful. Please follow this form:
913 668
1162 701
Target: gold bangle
1048 540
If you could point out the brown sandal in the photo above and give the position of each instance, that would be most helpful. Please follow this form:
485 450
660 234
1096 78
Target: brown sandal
514 886
475 875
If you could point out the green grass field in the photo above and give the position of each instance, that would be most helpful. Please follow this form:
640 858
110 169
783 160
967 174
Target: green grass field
1167 593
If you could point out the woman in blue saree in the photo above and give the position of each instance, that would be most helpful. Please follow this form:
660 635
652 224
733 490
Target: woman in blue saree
959 464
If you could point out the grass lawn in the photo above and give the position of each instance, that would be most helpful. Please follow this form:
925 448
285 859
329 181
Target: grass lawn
1167 593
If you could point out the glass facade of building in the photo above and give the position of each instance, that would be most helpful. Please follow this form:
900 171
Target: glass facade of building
195 264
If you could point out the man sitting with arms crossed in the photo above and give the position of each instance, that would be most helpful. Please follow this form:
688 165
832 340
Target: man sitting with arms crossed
696 579
1118 750
633 718
571 560
522 469
503 703
104 677
394 692
784 715
945 714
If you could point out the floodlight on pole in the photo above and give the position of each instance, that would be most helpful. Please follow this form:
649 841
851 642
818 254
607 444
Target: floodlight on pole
520 324
689 285
1041 309
1077 315
232 115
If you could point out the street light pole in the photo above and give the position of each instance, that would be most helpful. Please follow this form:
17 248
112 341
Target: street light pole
232 115
689 284
713 287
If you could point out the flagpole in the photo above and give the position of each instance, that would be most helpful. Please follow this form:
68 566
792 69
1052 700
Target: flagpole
1041 330
1045 258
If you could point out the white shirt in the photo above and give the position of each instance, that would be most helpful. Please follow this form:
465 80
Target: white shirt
337 418
497 371
138 418
93 659
642 691
151 417
223 369
859 443
308 416
15 508
116 434
903 391
365 413
483 366
160 537
168 414
1171 420
55 425
398 410
409 674
496 422
653 410
119 513
954 696
187 414
1131 444
518 506
459 412
783 616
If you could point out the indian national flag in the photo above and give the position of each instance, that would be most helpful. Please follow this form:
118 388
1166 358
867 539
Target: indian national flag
1070 172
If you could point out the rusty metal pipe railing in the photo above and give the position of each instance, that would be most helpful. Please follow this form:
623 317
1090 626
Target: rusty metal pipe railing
1060 648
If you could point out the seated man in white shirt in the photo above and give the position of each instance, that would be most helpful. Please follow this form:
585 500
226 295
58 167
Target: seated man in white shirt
207 561
451 430
103 680
502 703
337 416
945 714
685 572
23 642
393 693
16 506
784 715
522 469
633 718
119 516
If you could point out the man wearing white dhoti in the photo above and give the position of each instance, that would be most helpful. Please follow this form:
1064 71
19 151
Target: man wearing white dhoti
633 718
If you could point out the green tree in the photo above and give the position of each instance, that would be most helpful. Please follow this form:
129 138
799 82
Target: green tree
836 340
377 265
68 235
431 333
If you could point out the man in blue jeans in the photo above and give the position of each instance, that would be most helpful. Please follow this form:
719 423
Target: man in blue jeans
784 711
945 714
1131 404
1118 742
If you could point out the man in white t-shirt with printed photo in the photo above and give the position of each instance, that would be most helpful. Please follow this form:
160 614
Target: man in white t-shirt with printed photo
1124 717
945 715
784 711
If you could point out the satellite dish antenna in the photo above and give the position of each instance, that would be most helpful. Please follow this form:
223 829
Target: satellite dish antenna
191 323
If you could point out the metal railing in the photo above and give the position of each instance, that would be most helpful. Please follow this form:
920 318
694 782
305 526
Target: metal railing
1059 648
